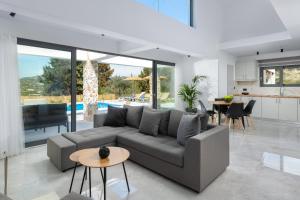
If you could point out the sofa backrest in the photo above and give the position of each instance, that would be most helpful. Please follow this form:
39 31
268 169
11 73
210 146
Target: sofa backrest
175 117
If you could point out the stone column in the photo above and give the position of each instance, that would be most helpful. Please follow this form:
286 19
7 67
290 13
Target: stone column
90 90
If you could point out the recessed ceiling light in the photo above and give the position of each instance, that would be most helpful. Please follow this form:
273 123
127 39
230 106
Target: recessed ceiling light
157 48
102 34
188 56
12 14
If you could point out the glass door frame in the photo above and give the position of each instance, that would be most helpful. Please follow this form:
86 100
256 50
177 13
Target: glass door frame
154 79
34 43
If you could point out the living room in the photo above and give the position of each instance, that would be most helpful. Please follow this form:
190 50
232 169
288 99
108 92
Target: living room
143 99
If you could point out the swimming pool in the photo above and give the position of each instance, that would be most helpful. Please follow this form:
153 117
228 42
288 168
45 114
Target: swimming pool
101 105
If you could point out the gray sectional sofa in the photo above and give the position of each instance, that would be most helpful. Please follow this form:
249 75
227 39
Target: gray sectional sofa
203 158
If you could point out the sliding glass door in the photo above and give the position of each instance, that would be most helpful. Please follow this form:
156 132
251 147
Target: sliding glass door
165 85
45 83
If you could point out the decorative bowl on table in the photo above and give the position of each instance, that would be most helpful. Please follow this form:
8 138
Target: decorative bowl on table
104 152
228 98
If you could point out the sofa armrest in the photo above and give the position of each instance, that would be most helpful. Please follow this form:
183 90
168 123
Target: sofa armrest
99 119
207 155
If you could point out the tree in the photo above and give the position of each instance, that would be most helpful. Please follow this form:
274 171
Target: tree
104 72
120 86
57 77
144 85
79 77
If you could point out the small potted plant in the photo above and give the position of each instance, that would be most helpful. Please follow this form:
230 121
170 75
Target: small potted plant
190 93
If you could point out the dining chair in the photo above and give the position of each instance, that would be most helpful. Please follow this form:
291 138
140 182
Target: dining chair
211 113
234 113
248 111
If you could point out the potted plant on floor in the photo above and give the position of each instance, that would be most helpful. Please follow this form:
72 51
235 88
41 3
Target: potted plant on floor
190 93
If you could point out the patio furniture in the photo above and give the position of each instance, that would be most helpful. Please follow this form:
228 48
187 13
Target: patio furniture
45 115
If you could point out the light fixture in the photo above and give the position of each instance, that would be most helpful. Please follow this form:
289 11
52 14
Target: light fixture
188 56
281 50
12 14
157 48
257 53
102 34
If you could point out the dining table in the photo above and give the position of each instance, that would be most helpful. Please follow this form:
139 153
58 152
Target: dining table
224 103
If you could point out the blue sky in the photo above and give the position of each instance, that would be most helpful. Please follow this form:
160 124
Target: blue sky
178 9
30 65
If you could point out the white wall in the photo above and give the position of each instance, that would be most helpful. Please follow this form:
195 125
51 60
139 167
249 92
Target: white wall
254 87
126 20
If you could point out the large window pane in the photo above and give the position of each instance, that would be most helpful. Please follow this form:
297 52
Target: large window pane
291 75
45 81
107 80
179 9
270 76
165 86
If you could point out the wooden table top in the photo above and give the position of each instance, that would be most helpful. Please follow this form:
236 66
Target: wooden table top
75 156
92 159
224 103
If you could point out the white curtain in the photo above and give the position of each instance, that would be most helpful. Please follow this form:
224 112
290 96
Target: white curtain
11 123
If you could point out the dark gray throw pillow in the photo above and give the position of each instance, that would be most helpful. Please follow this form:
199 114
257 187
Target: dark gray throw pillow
134 115
150 123
116 117
164 121
189 126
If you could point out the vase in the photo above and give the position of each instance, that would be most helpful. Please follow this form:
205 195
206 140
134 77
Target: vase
104 152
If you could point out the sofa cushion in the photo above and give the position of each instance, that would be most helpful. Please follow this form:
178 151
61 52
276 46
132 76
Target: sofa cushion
115 117
134 115
164 121
189 126
161 147
150 123
175 117
97 136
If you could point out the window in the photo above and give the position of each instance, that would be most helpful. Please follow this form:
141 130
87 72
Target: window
280 76
180 10
165 86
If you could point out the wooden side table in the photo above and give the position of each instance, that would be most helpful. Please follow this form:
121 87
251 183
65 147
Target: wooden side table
91 159
75 158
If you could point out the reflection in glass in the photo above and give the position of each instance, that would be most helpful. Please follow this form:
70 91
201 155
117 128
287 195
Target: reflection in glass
45 86
165 86
291 75
271 76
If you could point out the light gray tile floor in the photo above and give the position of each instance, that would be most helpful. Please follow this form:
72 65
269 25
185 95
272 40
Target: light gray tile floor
264 164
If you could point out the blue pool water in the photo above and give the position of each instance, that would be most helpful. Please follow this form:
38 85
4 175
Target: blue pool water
101 105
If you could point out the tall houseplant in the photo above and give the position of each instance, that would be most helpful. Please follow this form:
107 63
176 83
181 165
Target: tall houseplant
189 93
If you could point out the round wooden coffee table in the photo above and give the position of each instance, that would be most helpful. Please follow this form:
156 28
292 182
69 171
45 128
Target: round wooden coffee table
75 158
91 159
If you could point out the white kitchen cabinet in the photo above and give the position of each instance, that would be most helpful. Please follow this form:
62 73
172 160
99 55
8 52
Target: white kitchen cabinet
298 110
256 112
246 71
270 108
287 109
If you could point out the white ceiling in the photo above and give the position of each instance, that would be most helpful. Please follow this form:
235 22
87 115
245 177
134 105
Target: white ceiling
260 25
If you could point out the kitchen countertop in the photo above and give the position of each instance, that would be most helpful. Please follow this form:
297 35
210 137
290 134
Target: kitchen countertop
270 96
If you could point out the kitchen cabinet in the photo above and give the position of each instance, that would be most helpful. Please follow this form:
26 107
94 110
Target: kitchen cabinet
287 109
256 112
246 71
270 108
298 110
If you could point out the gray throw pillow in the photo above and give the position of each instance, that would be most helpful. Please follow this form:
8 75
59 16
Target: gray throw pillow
175 117
164 121
134 115
150 123
189 126
115 117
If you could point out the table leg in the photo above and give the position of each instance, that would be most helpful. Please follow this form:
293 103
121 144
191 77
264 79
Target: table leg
73 177
124 169
101 173
104 183
90 182
84 175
